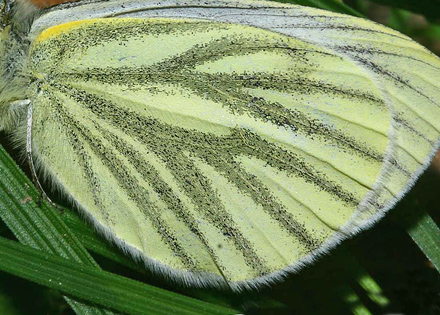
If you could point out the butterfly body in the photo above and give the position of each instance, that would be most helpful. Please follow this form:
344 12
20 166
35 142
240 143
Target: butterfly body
225 140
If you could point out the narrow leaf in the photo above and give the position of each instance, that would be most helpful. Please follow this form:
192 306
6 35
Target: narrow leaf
97 286
424 231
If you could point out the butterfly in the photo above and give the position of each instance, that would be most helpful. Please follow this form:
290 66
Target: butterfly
219 141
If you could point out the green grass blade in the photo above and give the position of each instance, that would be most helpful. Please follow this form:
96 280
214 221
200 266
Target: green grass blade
373 290
426 234
365 281
97 286
353 301
354 272
422 229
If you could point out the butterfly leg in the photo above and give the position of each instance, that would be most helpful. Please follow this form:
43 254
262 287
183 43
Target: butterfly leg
35 180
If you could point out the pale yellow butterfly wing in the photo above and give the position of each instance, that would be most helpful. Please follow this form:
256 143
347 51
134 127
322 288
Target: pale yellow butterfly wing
228 140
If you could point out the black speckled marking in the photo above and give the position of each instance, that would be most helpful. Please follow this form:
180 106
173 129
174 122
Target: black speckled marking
179 148
78 133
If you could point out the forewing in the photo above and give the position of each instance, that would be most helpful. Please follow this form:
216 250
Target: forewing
224 150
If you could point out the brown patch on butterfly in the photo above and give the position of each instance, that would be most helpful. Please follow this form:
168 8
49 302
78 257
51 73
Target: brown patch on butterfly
49 3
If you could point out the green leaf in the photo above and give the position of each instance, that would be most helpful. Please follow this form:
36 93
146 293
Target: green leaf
426 234
421 228
97 286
